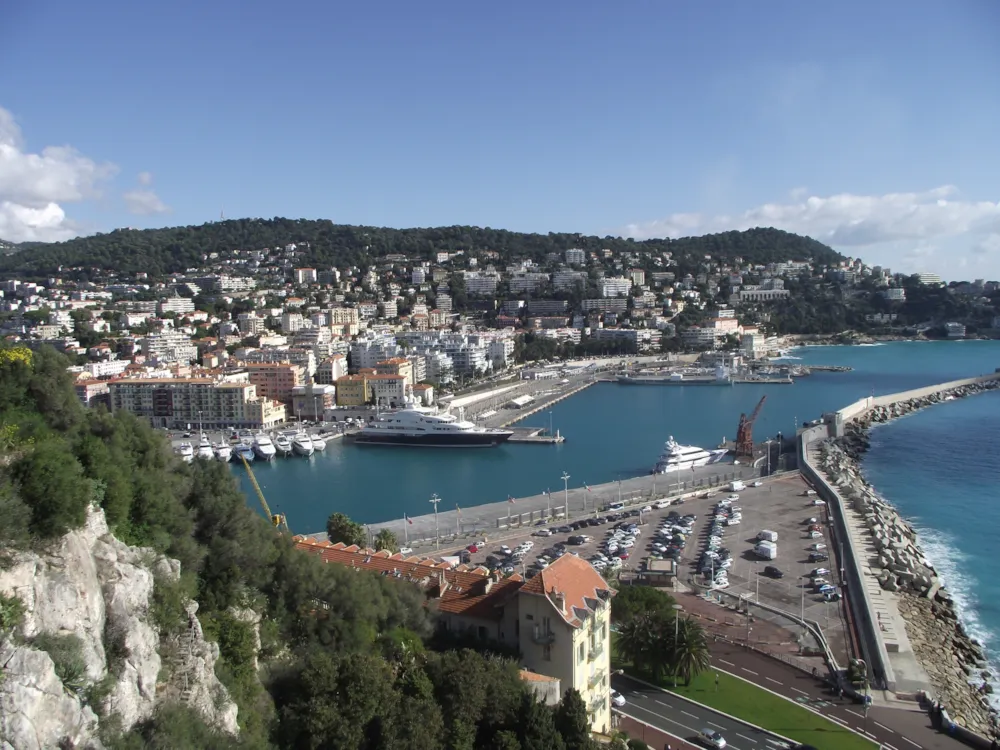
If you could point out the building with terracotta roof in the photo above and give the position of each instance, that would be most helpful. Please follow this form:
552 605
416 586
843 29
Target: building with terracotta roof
560 620
353 390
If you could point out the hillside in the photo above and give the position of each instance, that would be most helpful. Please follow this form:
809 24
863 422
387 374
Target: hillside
175 249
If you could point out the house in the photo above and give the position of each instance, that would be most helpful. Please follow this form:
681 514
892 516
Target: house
560 620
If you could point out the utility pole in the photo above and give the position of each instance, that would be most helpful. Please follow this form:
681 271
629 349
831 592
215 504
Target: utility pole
437 534
565 478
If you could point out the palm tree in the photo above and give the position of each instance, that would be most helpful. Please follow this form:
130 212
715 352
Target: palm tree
690 653
636 641
385 539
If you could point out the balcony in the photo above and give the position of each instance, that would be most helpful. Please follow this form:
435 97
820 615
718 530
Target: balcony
596 651
542 637
600 702
597 678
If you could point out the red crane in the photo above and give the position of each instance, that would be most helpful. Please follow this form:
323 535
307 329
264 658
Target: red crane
744 433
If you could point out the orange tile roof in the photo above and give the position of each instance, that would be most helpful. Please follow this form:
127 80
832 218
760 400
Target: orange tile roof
535 677
577 582
471 593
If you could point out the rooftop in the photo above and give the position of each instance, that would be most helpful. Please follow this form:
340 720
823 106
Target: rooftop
573 582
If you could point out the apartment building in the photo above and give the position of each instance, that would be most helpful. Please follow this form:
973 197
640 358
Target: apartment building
169 346
291 322
311 401
305 358
396 366
576 256
181 403
615 287
331 369
353 390
615 305
179 305
275 380
305 276
251 324
567 281
481 283
560 620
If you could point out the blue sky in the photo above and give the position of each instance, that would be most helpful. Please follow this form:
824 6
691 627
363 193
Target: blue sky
871 126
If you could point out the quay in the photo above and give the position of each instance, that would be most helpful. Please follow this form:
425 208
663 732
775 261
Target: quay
458 526
874 610
547 402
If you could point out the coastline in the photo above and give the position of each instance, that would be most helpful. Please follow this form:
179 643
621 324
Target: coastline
960 674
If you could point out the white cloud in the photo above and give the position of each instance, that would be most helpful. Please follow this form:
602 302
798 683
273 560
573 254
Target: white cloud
143 200
34 185
846 220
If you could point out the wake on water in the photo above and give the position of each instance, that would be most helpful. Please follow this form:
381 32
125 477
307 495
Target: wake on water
944 556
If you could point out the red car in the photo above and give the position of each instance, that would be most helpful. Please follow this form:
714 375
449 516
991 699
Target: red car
473 548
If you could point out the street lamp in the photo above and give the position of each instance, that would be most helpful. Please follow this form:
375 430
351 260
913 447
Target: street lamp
437 535
768 444
677 619
565 478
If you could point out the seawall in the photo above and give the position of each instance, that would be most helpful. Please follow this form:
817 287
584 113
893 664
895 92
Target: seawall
908 630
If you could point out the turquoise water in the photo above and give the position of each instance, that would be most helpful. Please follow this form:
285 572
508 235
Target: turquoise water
941 468
611 431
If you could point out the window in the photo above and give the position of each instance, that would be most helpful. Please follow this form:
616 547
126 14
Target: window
580 654
547 652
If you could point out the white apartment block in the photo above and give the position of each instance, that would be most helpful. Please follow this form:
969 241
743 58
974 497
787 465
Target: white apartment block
444 302
638 276
107 368
169 346
389 309
235 284
483 283
501 352
701 338
576 257
388 390
304 358
643 339
343 316
183 403
292 322
179 305
367 352
527 282
753 293
615 287
566 281
251 324
895 294
418 276
305 276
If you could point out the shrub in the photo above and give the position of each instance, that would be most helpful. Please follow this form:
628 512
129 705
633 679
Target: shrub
66 652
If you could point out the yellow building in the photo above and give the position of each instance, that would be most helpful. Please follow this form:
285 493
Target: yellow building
353 390
396 366
560 620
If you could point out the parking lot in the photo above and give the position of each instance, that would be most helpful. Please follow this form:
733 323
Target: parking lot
778 505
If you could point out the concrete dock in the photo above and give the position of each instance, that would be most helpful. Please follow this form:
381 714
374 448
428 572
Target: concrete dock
457 525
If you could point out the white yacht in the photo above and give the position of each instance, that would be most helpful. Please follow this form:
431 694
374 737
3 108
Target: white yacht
186 452
302 444
318 443
420 425
205 448
223 452
283 444
676 457
263 447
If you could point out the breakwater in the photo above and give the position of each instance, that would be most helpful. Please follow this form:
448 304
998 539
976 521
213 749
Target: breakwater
915 642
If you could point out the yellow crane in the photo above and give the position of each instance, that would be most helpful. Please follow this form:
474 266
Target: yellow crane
278 520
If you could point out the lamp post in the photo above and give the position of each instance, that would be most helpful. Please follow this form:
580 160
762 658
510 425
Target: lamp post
768 444
565 478
677 619
437 535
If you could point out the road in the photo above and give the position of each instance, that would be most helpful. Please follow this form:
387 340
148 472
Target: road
896 729
684 719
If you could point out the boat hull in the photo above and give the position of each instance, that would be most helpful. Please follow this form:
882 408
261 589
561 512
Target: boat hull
478 440
302 450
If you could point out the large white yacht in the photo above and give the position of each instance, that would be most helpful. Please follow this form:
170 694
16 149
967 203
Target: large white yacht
420 425
283 443
263 447
676 457
318 443
223 451
302 444
205 448
186 452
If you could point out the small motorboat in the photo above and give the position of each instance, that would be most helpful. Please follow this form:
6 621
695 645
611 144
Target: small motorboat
186 452
302 444
282 444
318 443
244 451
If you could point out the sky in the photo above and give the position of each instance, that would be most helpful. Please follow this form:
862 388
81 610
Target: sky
869 126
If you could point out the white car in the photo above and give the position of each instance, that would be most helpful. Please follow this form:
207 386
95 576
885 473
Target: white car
712 738
526 545
646 509
732 498
733 521
758 483
405 551
817 547
618 700
543 532
661 504
817 501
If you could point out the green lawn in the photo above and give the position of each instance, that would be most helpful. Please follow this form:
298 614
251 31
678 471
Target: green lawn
746 701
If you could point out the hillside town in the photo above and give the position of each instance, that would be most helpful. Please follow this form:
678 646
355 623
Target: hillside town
253 337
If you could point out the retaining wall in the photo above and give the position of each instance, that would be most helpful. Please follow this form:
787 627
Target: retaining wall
870 635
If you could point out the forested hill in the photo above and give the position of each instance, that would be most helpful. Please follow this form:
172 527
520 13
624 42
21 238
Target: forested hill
159 251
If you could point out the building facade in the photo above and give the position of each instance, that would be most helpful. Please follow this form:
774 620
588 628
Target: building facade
185 403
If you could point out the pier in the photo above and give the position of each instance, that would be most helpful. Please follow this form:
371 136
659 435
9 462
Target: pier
458 526
548 402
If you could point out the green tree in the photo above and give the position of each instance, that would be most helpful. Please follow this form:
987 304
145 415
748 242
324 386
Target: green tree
633 601
385 539
572 722
340 528
536 726
690 655
52 485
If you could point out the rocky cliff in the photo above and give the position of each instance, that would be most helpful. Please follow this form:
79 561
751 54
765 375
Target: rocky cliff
92 586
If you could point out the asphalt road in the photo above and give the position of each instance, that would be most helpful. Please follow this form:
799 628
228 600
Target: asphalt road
683 719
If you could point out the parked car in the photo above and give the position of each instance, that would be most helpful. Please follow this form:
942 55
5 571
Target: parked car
815 557
772 572
831 596
543 532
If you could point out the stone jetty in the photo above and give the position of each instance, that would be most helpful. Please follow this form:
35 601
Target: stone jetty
955 663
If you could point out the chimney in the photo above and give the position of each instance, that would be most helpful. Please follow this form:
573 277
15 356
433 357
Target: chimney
559 599
442 584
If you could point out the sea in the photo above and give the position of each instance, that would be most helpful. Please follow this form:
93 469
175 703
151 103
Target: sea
940 467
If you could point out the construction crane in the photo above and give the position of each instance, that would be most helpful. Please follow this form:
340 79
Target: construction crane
744 433
278 520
